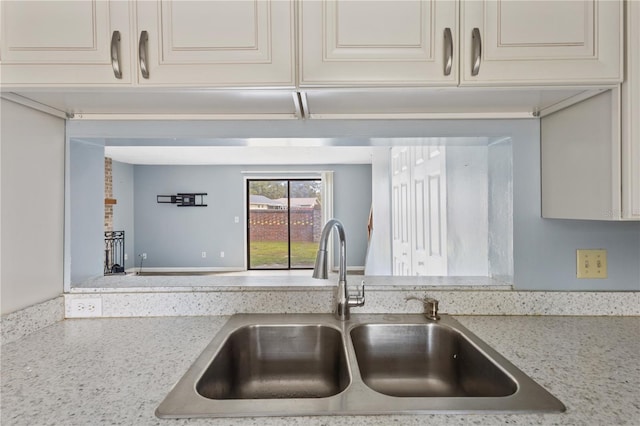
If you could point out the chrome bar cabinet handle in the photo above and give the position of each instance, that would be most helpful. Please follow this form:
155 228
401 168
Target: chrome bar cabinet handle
448 51
476 51
115 54
142 54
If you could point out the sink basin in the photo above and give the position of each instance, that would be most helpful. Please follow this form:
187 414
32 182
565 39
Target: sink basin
296 361
291 365
426 360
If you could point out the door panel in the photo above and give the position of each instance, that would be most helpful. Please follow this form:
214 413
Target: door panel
65 42
78 32
630 123
268 224
376 42
401 217
553 42
284 223
517 25
222 43
430 207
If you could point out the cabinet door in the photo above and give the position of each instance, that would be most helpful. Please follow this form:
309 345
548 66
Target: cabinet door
221 43
369 43
541 42
630 114
64 42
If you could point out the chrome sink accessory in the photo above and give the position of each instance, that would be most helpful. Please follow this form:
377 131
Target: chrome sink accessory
430 307
316 364
343 300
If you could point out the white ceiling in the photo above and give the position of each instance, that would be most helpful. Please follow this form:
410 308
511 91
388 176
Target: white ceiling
236 155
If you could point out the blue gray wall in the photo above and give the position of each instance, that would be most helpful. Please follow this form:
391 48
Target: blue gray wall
175 236
123 219
352 204
378 260
87 210
545 249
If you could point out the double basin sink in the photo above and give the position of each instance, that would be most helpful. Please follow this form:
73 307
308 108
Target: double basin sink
284 365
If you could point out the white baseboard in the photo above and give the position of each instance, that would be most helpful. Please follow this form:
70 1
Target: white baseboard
212 269
185 269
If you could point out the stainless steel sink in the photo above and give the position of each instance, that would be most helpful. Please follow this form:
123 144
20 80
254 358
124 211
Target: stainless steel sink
286 365
426 360
277 361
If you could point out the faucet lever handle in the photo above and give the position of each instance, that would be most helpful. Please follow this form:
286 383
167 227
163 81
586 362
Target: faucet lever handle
430 306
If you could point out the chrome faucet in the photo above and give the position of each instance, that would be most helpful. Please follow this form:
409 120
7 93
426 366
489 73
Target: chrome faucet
343 300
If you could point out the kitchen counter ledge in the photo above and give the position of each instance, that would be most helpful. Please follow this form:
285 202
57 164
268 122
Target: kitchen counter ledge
116 371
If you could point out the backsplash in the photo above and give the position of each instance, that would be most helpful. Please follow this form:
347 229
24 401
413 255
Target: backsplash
230 300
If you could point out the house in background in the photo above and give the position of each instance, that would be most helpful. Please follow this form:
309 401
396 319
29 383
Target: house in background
301 203
260 202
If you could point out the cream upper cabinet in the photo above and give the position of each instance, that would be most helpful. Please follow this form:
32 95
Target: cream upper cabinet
65 42
162 43
333 43
591 150
378 43
591 161
630 112
510 42
215 43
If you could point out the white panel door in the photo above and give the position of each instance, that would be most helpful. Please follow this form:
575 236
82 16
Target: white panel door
65 42
362 43
220 43
541 42
430 181
419 209
401 210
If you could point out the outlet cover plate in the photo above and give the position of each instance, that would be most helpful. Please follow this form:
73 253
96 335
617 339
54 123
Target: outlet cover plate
591 263
85 308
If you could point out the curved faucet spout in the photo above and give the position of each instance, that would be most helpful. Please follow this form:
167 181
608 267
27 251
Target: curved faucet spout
320 269
343 301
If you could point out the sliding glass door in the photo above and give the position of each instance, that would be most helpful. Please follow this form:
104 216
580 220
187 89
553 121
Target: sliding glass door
284 222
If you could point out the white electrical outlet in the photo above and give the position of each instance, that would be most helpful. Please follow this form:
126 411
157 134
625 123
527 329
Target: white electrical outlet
236 219
204 254
126 256
144 256
221 254
85 308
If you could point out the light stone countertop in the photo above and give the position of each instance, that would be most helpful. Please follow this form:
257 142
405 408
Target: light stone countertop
300 279
116 371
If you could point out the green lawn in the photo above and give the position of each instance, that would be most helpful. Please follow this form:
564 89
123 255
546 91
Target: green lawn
273 254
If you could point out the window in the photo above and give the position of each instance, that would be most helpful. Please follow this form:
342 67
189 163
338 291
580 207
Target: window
284 222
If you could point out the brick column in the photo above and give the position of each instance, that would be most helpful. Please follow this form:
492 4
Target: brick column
108 193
